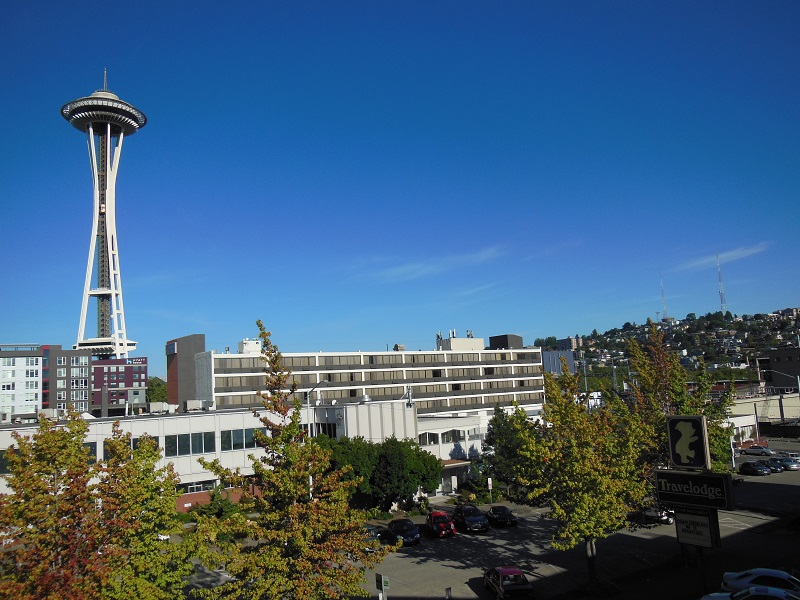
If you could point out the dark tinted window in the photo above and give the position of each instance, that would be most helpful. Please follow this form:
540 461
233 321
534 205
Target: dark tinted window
184 445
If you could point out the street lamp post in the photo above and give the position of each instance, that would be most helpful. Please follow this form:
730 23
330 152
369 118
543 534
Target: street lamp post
308 406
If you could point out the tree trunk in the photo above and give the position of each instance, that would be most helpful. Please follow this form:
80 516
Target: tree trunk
591 552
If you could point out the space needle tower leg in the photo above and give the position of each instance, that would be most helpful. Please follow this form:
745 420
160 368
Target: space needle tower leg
106 120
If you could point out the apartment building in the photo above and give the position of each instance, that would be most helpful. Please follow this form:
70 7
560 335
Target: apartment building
35 377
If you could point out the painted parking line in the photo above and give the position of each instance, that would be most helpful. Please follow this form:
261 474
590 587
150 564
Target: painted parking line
731 523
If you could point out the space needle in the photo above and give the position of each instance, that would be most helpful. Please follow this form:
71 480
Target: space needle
106 120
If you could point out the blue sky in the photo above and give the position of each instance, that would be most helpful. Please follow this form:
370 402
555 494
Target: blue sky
361 174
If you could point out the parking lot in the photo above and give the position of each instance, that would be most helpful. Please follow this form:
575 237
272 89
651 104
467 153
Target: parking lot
646 563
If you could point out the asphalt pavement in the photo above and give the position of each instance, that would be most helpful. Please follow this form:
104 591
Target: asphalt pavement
762 531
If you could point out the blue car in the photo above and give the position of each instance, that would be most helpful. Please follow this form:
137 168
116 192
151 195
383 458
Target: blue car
468 518
403 530
753 468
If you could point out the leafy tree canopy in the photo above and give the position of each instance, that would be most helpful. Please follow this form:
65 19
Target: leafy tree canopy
297 536
84 529
156 389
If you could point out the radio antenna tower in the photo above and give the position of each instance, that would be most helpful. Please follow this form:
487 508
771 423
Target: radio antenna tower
106 120
663 298
721 289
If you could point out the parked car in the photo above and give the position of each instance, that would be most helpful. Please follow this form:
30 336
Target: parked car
403 530
772 464
469 518
789 464
753 593
734 581
786 454
440 524
508 582
499 516
652 515
758 450
753 468
371 538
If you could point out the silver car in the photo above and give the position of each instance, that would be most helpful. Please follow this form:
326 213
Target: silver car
788 464
773 578
759 450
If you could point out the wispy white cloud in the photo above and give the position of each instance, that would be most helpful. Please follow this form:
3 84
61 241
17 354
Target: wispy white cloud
707 262
434 265
475 290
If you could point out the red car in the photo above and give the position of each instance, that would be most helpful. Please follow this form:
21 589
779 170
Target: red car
440 524
508 582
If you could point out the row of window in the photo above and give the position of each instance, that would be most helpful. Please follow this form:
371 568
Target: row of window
200 486
114 376
11 374
293 362
204 442
8 399
30 361
448 437
76 405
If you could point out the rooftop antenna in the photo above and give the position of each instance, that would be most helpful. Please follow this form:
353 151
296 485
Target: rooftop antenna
105 80
663 298
721 289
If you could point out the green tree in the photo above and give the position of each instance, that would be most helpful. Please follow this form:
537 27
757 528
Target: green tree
403 469
361 456
297 536
136 493
156 389
425 468
503 440
53 515
660 390
86 529
582 463
219 506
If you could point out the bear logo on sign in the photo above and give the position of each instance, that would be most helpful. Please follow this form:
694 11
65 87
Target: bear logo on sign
683 445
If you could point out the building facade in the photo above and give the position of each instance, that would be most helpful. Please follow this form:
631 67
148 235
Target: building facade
35 377
119 386
444 399
184 438
20 381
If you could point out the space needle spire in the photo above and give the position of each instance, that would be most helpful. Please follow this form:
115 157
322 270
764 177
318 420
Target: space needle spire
106 120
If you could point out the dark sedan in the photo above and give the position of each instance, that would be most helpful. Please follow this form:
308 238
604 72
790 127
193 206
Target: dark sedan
772 464
403 530
501 516
753 468
469 518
